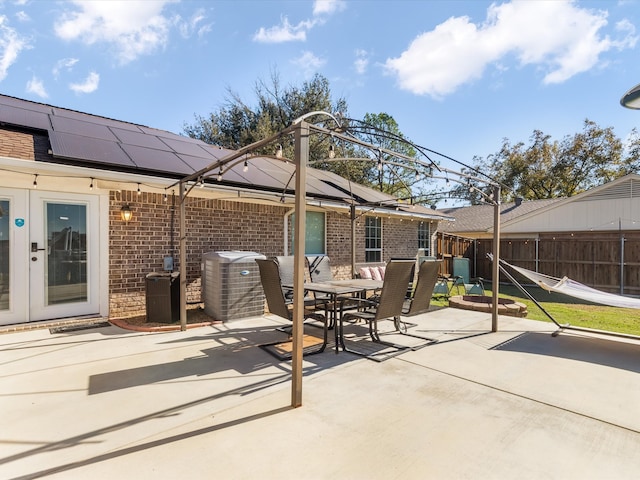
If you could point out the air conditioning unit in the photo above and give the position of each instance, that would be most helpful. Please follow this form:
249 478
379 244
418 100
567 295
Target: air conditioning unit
231 287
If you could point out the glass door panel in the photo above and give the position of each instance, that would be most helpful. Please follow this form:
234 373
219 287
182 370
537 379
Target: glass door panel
5 255
14 266
66 259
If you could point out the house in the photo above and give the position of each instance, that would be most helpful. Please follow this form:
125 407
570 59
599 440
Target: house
89 207
592 237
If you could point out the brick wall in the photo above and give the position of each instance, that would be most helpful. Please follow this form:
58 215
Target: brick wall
138 247
17 143
399 238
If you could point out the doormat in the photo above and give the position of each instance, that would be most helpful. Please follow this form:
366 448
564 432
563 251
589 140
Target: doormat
283 350
75 328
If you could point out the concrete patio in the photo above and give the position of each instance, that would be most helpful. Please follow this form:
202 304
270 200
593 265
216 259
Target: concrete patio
208 403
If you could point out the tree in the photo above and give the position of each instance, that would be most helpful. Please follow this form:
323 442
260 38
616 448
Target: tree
552 169
236 125
392 175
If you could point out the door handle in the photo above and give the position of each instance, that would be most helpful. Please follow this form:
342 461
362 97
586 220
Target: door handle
34 247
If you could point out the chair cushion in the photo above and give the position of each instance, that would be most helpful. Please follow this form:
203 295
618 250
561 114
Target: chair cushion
376 273
365 272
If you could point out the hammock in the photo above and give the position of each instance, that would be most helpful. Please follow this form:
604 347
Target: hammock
575 289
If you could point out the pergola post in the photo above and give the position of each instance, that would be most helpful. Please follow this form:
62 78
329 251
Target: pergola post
301 156
183 260
496 259
352 215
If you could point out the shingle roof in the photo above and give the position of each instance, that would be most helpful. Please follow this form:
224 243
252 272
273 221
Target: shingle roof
479 218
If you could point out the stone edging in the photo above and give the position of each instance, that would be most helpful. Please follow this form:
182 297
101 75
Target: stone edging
481 303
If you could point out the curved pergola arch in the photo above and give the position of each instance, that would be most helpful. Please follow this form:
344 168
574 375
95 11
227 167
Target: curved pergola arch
301 130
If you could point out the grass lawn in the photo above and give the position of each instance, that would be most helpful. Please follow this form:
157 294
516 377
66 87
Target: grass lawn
570 310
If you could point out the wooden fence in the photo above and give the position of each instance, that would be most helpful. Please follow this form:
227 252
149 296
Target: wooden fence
606 261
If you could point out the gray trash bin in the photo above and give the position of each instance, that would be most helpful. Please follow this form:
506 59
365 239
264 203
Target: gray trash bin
231 287
163 297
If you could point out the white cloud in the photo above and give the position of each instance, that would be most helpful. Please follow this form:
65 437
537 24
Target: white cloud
11 44
285 32
64 64
89 85
22 16
328 7
133 28
559 38
309 63
36 86
193 24
361 62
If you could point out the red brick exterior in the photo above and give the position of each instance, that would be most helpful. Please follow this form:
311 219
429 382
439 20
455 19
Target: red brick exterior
138 248
24 145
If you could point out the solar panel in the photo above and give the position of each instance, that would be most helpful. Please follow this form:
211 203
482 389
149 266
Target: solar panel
23 104
88 139
86 129
138 138
80 148
22 117
96 119
157 160
187 148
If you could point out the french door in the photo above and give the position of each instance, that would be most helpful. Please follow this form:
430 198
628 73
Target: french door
49 253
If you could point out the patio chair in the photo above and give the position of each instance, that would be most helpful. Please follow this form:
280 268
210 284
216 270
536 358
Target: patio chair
421 299
319 268
462 277
272 286
425 284
387 307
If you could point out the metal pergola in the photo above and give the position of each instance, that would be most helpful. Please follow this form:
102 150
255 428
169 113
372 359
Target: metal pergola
301 130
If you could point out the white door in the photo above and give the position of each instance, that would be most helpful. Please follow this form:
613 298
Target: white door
14 266
63 254
49 253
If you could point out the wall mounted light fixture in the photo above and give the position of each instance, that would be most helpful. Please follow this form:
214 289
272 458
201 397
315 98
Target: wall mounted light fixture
125 213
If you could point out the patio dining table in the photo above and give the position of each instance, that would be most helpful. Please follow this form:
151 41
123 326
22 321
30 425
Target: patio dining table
336 288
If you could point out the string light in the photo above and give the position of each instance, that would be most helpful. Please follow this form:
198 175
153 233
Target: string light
91 185
279 151
332 152
139 191
165 195
379 166
245 168
202 182
220 175
35 181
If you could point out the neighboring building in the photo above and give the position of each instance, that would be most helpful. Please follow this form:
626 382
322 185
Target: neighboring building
593 237
65 250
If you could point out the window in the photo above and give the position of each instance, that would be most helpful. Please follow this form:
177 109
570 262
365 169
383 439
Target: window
424 237
373 239
314 233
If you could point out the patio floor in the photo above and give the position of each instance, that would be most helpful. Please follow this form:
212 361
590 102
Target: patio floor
208 403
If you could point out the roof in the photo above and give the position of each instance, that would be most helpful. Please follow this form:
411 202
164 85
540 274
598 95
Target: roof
479 218
96 142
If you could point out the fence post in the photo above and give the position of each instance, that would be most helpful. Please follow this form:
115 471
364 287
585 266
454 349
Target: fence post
622 240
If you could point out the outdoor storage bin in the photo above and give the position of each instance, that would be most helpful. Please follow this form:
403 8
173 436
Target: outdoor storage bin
231 287
163 297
